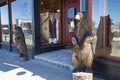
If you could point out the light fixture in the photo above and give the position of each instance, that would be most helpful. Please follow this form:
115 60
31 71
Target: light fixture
58 10
41 3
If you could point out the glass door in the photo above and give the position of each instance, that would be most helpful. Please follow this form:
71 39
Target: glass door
71 8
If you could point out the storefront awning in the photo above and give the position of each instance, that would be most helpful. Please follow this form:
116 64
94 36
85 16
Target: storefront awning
49 5
3 2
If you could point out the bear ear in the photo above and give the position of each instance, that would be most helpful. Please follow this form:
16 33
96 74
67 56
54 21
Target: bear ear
79 16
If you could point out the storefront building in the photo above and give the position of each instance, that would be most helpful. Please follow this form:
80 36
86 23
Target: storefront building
106 29
49 24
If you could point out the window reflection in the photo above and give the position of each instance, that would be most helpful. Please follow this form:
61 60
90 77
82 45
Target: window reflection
113 31
22 16
83 5
71 21
4 24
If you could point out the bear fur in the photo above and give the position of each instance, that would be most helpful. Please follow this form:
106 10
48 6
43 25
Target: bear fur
82 44
83 54
82 27
20 42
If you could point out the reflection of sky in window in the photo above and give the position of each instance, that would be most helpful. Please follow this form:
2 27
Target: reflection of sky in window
113 11
4 14
71 12
20 9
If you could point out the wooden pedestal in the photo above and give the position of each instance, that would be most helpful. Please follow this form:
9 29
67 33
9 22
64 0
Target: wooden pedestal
82 76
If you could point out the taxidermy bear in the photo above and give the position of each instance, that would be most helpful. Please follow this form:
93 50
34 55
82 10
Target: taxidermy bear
82 43
20 43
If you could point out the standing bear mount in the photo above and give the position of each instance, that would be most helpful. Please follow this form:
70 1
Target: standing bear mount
21 44
82 45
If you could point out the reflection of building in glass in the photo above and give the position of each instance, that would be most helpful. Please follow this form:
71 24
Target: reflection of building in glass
5 29
116 33
115 28
25 24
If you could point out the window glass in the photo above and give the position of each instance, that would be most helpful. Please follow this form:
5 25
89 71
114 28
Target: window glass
83 5
71 20
106 27
4 24
22 17
50 21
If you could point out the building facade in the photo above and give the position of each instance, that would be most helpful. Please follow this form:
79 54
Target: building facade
49 24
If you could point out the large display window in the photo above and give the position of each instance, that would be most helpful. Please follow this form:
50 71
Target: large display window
50 21
22 17
4 24
106 29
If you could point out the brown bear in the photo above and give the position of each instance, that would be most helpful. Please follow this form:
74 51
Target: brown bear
82 43
20 43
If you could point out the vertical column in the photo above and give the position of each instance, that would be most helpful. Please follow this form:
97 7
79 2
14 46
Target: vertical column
10 24
103 7
104 14
63 27
0 29
90 11
84 5
36 26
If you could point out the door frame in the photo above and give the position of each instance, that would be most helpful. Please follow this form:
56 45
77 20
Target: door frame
69 4
64 16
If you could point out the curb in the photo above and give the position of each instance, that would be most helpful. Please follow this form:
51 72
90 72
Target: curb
55 63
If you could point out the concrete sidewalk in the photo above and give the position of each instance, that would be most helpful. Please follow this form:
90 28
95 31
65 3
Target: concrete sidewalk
61 58
12 69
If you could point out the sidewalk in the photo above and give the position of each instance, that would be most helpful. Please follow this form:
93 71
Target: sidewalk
12 69
61 58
